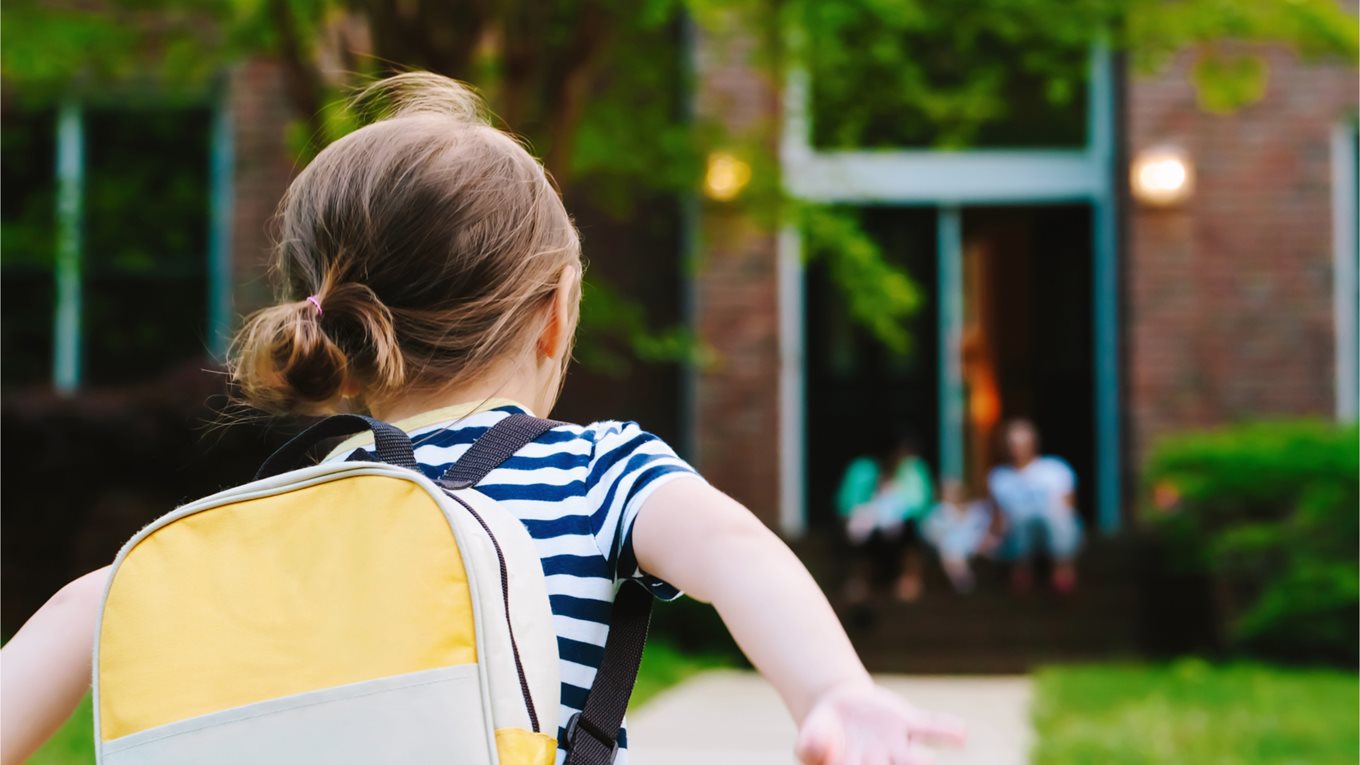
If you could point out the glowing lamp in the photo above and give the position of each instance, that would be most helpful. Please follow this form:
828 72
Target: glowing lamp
1162 176
726 176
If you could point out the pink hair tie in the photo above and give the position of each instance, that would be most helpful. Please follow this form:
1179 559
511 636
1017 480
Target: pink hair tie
316 303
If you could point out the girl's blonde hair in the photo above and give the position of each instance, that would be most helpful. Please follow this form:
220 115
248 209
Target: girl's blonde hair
411 254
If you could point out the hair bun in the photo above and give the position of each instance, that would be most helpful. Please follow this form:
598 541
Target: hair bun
284 361
296 357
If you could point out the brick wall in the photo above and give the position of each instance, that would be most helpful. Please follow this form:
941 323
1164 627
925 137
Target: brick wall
261 112
737 399
1230 297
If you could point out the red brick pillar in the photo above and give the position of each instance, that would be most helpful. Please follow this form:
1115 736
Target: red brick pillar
261 113
736 290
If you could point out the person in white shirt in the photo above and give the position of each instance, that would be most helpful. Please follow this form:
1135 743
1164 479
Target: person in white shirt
960 529
1036 495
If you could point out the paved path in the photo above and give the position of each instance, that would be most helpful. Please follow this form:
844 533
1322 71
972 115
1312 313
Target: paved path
729 717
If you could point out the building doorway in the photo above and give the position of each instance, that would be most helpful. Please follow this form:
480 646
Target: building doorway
1027 341
1024 283
1026 348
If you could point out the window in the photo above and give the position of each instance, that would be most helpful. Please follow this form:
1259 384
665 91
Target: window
143 217
146 225
27 225
942 82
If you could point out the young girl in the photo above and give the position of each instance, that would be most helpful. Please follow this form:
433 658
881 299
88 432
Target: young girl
959 529
431 276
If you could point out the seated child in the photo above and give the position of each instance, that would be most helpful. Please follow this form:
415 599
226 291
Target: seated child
959 529
883 502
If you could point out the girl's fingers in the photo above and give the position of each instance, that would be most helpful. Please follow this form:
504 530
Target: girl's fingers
822 740
814 751
901 752
936 728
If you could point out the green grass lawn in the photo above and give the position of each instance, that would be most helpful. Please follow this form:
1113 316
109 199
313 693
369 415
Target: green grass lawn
1196 713
662 666
73 744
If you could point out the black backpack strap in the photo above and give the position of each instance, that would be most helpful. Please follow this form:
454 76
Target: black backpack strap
593 733
392 444
496 445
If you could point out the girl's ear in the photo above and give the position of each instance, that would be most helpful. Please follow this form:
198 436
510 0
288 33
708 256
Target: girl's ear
556 336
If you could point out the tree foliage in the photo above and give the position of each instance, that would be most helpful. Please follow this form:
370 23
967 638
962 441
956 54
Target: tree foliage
951 75
594 85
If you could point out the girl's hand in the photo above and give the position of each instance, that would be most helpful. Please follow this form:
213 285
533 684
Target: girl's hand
862 723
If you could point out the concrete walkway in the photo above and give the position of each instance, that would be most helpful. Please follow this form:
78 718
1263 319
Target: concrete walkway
735 718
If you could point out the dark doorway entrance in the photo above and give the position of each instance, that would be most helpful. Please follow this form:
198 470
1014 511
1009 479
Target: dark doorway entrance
1027 348
861 396
1028 336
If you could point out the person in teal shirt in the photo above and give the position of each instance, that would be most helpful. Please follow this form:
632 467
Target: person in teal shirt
858 486
882 502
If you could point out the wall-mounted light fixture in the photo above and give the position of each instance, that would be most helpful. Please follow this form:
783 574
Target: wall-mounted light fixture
726 176
1162 176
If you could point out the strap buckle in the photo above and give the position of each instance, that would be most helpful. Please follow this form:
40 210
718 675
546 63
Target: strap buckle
576 725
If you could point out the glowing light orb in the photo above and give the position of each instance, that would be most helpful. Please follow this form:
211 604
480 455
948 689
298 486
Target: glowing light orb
1162 176
726 176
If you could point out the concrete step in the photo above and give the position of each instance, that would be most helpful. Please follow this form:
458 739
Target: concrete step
993 629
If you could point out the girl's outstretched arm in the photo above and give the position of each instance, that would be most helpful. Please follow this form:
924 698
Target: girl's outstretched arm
45 667
708 545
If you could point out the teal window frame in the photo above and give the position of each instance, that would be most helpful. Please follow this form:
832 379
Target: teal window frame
67 336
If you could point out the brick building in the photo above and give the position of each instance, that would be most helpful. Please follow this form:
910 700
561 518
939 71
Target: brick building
1236 303
1050 292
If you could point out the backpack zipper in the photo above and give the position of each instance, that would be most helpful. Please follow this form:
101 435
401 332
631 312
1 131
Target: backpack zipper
505 598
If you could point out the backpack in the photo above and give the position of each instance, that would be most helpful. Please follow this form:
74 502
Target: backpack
348 612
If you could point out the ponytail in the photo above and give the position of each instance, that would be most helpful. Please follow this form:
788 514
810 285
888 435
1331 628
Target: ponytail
303 355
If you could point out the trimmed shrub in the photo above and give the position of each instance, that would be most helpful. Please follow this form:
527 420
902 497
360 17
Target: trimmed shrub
84 473
1271 511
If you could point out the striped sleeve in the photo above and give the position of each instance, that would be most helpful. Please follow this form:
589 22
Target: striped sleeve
627 465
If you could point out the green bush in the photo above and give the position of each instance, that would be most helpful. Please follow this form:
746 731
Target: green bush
1271 511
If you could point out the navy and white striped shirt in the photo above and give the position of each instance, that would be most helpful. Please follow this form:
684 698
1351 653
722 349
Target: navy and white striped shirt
577 490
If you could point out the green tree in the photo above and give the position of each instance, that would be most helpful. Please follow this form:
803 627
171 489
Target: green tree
894 72
594 84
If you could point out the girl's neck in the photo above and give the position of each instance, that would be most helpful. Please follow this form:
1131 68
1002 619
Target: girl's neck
525 387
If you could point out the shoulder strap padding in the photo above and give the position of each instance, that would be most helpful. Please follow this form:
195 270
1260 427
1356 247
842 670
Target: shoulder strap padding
498 444
602 717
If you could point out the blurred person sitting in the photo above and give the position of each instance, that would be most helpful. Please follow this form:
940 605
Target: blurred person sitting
1036 497
960 528
881 500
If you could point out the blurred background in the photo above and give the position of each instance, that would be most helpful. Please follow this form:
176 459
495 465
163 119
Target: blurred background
813 227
